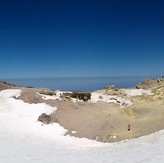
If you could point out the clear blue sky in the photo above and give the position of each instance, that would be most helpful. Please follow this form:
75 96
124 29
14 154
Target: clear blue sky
58 38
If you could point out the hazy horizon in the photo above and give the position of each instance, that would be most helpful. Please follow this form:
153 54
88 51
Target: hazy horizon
62 77
78 83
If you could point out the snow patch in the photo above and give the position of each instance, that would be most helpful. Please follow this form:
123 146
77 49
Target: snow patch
95 97
54 97
43 143
73 132
137 92
10 93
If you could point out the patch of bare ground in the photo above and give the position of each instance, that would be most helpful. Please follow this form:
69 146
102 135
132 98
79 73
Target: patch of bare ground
106 122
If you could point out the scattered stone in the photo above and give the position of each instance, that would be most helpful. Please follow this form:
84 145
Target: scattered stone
118 102
113 99
100 97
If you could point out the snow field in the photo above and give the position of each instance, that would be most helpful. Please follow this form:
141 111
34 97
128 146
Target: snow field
23 139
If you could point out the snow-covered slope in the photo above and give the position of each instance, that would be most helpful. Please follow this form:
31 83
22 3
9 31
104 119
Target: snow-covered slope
23 139
20 118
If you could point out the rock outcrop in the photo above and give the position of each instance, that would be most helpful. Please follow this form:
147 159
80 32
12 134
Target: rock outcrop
151 83
85 96
110 88
5 85
46 92
113 91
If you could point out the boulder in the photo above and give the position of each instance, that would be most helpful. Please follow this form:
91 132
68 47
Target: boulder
46 119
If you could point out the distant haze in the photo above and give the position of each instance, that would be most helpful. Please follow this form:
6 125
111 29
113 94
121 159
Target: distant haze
79 84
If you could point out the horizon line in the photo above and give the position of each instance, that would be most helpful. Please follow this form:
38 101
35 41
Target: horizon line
104 76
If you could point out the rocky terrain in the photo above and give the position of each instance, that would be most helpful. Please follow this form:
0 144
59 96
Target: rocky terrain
103 120
4 85
151 83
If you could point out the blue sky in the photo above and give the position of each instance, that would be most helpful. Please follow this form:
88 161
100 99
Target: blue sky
65 38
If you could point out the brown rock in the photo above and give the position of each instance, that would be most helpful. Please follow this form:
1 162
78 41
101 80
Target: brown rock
46 119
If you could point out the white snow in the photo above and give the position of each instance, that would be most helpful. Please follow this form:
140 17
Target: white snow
22 139
48 97
54 97
22 117
137 92
96 96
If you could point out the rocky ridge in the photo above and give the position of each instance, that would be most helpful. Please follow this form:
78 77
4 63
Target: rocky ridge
151 83
4 85
102 121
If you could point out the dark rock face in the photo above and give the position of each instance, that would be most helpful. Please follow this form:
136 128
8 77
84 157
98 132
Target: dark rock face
46 119
85 96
